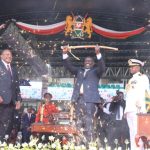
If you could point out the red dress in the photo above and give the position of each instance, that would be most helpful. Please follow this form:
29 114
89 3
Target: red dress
45 111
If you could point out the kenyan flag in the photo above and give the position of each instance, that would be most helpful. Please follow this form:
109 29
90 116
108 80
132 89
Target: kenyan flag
147 100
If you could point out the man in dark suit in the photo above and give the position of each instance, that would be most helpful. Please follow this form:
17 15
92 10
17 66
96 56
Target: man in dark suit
9 93
26 121
85 94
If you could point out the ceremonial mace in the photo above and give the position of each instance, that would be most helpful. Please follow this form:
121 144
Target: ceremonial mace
87 46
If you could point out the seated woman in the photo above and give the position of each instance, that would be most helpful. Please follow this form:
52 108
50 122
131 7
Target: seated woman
46 109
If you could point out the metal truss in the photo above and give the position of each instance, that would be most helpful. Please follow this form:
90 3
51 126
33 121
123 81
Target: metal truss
117 73
111 73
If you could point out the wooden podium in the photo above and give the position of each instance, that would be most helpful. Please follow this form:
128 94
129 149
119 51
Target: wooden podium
143 130
143 125
52 128
60 125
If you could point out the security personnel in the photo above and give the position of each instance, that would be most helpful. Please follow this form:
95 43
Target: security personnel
135 97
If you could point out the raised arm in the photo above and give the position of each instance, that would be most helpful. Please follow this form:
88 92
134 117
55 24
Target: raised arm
66 61
100 69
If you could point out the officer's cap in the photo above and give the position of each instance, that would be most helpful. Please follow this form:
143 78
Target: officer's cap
135 62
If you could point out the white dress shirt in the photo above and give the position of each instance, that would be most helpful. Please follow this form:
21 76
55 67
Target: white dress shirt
6 65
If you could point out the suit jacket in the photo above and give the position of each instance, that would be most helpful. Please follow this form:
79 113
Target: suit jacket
114 106
90 81
26 121
9 85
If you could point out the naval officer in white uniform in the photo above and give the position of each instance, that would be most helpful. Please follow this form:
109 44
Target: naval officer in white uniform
135 97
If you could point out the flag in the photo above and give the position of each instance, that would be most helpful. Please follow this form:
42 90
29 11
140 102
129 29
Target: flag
147 100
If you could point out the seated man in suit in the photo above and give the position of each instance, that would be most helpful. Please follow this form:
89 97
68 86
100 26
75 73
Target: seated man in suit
46 109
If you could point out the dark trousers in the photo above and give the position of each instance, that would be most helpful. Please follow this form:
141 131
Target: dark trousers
26 135
85 115
6 120
118 129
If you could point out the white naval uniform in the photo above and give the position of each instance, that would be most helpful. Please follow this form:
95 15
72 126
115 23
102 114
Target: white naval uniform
135 103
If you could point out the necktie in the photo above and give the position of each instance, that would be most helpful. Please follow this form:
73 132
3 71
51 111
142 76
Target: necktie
29 116
9 70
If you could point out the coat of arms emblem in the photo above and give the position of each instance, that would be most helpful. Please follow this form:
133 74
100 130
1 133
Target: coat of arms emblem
78 27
